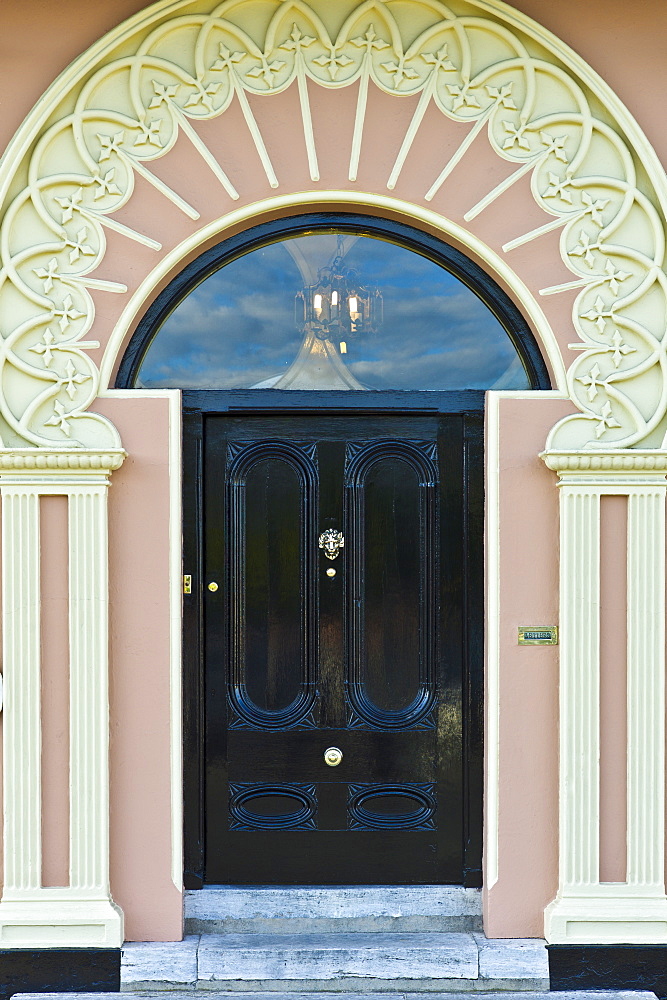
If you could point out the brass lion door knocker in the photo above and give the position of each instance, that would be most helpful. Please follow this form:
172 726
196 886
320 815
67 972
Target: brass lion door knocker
331 541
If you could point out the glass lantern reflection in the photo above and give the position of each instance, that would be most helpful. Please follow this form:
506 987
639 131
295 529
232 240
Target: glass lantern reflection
338 307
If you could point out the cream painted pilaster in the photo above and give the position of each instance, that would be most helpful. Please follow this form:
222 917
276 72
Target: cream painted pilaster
21 683
587 910
81 914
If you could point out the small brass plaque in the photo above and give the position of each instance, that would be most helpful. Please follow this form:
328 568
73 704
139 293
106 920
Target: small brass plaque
538 635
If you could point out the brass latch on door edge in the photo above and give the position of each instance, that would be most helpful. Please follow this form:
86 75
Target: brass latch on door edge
187 584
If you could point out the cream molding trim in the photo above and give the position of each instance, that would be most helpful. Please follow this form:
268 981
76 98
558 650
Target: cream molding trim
617 461
124 104
30 460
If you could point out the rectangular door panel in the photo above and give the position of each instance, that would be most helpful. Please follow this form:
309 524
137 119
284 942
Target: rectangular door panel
263 757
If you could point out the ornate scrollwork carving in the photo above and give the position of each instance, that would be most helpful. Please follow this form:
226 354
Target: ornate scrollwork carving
478 66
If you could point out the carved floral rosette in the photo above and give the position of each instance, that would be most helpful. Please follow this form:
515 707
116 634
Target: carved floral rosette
71 170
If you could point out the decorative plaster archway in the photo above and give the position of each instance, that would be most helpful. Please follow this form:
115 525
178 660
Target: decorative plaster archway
67 179
74 162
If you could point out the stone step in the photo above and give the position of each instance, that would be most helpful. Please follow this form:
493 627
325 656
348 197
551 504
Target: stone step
215 995
337 963
316 909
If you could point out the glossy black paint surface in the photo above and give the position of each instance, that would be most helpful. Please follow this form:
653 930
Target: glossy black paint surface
605 967
402 806
56 970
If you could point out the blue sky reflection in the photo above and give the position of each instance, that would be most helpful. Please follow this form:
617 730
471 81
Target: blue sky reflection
237 327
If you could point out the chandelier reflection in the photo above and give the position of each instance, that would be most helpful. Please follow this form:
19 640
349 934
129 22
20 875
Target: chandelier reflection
331 314
339 307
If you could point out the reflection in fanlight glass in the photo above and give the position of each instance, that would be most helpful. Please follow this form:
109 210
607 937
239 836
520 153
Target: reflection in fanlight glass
246 326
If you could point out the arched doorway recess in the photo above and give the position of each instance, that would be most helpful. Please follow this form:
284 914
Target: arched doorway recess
355 353
107 129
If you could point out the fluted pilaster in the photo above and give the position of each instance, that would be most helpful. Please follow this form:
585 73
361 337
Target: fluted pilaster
587 910
81 914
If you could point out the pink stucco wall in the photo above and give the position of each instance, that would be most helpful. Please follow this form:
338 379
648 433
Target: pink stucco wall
54 604
139 684
528 737
613 685
620 39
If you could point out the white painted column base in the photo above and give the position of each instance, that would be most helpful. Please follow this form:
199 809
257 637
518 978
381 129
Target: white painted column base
612 916
62 922
586 910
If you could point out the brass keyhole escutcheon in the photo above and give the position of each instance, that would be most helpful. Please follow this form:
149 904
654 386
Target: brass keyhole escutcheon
333 756
213 586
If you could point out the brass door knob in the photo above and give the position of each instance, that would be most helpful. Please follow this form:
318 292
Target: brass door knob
333 756
213 586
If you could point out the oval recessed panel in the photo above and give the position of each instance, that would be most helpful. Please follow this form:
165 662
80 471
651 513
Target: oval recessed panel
272 487
391 521
272 807
272 601
392 587
391 807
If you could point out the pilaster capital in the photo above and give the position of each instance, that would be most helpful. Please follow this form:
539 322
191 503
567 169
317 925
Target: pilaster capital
58 467
612 471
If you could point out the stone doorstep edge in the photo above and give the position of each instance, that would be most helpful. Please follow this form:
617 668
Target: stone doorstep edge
350 995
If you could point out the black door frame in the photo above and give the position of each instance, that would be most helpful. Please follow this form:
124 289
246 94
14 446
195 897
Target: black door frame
196 404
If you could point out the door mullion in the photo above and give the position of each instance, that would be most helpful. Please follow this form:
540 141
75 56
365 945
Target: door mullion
331 461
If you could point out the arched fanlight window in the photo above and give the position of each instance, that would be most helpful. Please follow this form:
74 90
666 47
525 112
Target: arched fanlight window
333 302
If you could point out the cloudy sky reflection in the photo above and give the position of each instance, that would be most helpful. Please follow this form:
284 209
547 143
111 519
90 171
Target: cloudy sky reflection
237 328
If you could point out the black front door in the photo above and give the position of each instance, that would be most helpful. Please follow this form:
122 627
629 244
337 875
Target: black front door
336 710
